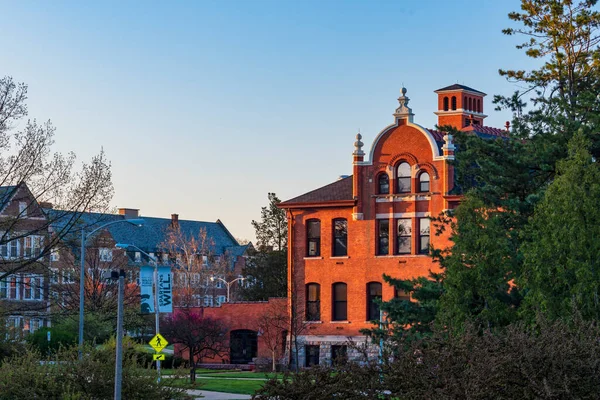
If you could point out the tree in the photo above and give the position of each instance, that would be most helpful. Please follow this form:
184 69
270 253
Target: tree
273 326
271 230
562 269
266 270
30 169
195 264
201 336
266 275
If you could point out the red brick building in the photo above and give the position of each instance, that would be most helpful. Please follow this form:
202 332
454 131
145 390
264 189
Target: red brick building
344 236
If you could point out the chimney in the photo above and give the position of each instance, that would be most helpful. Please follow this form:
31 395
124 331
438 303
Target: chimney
174 220
129 212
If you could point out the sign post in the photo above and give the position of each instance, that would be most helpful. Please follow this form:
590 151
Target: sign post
158 343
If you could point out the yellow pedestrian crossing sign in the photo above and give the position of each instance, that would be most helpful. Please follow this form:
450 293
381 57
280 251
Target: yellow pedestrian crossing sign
158 357
158 343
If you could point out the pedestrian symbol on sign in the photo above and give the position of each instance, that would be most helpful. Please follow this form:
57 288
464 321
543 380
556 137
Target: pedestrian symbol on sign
158 343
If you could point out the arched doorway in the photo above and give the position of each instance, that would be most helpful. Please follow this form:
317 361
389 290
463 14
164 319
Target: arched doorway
243 346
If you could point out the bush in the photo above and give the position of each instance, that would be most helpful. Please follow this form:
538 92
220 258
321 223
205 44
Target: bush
58 337
551 360
25 377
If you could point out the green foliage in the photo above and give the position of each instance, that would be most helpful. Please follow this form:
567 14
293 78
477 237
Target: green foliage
266 274
64 376
562 268
551 360
271 230
59 337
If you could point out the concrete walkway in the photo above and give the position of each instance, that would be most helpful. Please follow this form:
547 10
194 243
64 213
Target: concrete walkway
208 395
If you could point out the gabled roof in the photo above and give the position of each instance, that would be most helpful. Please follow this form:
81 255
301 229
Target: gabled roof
456 86
152 233
339 191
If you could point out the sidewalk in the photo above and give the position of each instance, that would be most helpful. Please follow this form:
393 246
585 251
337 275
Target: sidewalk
207 395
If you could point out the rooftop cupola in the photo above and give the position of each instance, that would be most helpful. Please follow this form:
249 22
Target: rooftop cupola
460 106
403 112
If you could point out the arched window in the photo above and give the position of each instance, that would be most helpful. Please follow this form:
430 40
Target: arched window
470 103
340 237
424 182
373 294
340 302
479 105
403 185
454 102
383 183
313 238
313 302
446 103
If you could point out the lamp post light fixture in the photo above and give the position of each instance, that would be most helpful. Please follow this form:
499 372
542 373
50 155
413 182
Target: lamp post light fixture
154 261
84 237
228 284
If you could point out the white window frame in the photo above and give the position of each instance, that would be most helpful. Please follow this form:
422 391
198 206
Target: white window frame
138 257
15 279
105 254
221 299
208 301
4 288
54 254
23 209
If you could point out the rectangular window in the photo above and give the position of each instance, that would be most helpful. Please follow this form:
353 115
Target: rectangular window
27 246
374 291
3 288
340 302
54 255
13 289
138 257
424 232
165 258
313 302
68 276
204 261
105 254
340 247
208 301
22 209
339 354
383 237
401 294
312 355
404 236
10 248
27 288
221 299
313 238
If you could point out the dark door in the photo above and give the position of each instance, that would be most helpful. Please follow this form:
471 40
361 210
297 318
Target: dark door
243 346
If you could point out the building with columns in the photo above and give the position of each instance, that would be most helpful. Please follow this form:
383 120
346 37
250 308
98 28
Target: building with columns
343 237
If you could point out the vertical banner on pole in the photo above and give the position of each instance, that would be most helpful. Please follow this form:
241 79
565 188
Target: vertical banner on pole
165 293
146 292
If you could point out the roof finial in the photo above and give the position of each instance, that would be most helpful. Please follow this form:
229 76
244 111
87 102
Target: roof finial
358 145
403 111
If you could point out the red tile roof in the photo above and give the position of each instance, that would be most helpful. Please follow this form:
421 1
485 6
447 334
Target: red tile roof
486 130
340 190
437 135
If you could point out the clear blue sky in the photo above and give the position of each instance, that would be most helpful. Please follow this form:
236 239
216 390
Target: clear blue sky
205 106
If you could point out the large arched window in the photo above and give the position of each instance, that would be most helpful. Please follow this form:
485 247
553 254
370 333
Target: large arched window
313 238
340 237
424 182
373 294
403 182
313 302
454 102
340 302
383 183
446 103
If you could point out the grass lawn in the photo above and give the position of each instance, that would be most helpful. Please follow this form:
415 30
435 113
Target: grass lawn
222 385
223 373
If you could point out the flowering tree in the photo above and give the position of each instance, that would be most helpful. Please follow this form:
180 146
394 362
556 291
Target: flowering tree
201 336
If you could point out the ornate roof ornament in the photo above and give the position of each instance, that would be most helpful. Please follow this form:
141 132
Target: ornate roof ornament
358 146
404 111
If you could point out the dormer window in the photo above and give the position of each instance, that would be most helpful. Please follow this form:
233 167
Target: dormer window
23 209
403 181
383 183
424 182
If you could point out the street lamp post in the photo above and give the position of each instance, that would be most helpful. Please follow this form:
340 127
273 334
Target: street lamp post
120 277
156 310
228 284
84 237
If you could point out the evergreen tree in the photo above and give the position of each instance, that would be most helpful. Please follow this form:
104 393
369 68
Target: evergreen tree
561 267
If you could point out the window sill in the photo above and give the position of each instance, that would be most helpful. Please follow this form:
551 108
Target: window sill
339 322
313 258
312 322
340 257
402 255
